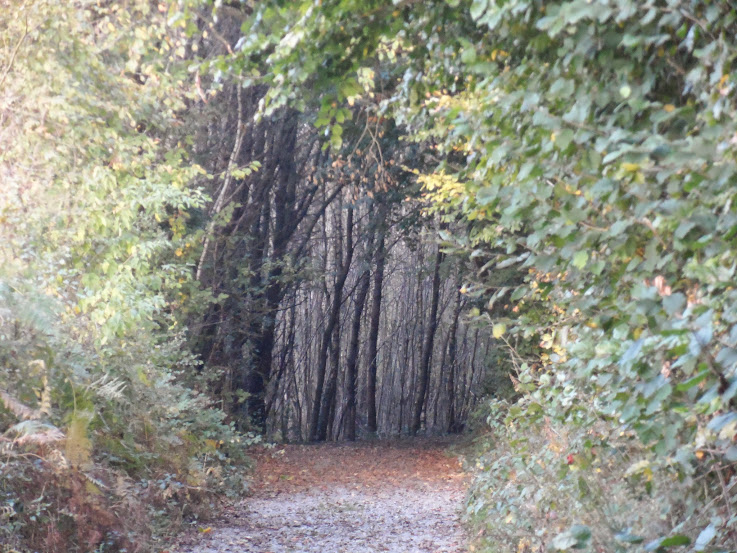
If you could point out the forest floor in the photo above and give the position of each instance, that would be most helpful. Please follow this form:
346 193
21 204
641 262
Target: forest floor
402 496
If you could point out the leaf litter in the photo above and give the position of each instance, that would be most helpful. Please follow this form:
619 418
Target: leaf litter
400 496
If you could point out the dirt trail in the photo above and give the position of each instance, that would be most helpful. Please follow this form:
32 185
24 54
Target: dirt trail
397 497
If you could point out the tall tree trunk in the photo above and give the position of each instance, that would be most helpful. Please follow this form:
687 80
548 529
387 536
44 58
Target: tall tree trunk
427 347
452 354
373 339
327 404
352 360
333 320
441 382
285 222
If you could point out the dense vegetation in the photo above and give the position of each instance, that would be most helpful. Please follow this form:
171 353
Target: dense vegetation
352 216
101 430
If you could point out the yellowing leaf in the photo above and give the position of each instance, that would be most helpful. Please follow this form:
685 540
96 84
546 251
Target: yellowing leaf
669 107
631 167
92 489
498 330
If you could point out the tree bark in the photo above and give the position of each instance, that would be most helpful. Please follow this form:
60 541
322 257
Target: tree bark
452 353
427 347
373 339
333 319
352 360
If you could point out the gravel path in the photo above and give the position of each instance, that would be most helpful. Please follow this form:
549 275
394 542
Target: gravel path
399 497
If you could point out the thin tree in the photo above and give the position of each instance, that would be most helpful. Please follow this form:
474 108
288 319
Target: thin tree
427 347
373 338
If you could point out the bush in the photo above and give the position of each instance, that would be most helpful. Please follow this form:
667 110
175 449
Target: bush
543 484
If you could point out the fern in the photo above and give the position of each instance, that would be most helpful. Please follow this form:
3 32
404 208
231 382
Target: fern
35 432
108 387
18 408
96 481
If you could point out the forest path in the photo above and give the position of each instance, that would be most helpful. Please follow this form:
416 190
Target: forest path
401 496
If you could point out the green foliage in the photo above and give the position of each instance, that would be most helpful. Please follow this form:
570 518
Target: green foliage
598 158
590 145
99 433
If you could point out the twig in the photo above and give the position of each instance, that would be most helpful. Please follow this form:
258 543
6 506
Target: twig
645 221
725 493
215 32
7 69
594 227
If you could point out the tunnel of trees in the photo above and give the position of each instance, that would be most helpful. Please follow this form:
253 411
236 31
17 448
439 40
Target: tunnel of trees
232 221
336 309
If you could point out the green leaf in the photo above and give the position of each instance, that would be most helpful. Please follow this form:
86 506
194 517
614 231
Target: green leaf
720 421
581 532
693 381
486 195
731 454
468 55
676 540
564 541
563 139
671 541
478 7
575 537
580 259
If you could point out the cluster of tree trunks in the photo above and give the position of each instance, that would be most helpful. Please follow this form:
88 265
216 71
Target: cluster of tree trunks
409 362
336 312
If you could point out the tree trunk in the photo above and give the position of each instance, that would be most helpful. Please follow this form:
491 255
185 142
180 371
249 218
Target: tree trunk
333 320
427 347
373 340
352 360
327 404
452 354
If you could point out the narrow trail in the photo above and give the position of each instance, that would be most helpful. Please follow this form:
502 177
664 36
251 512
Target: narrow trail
398 497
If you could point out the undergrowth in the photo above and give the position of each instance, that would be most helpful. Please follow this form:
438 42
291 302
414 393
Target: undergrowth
94 462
